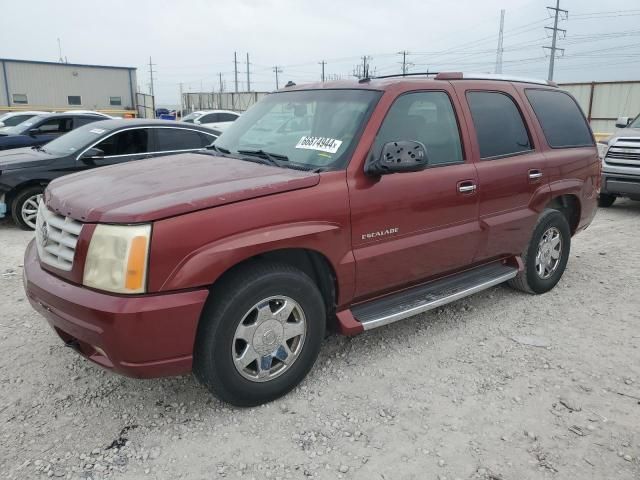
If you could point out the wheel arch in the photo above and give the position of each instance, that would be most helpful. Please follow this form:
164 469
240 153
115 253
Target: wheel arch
11 194
569 205
312 262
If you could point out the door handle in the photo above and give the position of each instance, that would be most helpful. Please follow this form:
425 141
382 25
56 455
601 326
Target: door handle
535 174
467 187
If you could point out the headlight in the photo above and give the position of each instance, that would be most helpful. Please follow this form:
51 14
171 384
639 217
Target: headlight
602 149
117 258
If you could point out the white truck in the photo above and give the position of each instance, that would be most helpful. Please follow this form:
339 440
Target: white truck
620 154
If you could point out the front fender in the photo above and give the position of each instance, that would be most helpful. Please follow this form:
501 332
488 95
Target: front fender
206 264
194 250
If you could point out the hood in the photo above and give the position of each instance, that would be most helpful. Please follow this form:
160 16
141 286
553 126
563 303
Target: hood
625 132
147 190
22 158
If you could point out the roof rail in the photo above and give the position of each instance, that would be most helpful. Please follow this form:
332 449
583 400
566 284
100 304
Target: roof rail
491 76
412 74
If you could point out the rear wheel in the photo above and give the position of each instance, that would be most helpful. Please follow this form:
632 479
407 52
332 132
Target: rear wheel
25 207
259 334
546 255
605 200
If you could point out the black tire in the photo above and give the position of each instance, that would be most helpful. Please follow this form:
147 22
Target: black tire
213 363
528 280
19 201
605 200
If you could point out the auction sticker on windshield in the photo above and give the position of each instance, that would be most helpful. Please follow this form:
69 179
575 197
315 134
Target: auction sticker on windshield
322 144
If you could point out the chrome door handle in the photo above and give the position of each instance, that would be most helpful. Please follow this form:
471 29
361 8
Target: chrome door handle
467 188
535 174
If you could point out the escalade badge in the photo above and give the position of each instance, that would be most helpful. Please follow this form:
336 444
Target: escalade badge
380 233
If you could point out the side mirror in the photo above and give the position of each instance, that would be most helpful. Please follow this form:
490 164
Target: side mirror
33 131
622 122
398 157
92 154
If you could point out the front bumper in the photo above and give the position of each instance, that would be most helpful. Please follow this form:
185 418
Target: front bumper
620 184
140 336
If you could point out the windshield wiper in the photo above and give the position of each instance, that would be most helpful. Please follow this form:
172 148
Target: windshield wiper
218 149
39 148
272 158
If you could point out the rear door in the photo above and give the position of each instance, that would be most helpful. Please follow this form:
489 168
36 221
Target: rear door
408 227
512 169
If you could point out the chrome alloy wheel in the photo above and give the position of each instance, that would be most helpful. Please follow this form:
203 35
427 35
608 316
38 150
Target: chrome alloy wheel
29 210
269 338
549 253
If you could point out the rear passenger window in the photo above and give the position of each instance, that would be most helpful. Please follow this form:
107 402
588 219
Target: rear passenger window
560 118
498 124
425 117
168 139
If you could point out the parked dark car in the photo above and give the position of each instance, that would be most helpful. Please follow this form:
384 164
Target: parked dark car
42 129
25 172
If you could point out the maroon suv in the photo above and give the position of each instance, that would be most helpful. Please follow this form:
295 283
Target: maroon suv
354 204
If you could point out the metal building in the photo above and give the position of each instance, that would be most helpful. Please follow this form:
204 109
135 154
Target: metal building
50 86
604 102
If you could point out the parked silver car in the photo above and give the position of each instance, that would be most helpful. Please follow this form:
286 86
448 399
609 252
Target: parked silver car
620 154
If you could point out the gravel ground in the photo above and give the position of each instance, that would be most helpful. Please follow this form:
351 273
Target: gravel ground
502 385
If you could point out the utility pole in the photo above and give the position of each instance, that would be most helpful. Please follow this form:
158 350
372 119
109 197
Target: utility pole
220 91
500 49
405 64
323 63
235 69
365 66
248 79
181 101
277 70
60 51
554 38
153 97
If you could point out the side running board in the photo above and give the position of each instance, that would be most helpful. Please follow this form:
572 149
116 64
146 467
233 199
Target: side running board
413 301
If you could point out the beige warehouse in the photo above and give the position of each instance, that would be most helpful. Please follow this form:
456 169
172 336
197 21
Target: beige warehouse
50 86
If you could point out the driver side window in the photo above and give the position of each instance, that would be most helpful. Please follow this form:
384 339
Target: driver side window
128 142
425 117
56 125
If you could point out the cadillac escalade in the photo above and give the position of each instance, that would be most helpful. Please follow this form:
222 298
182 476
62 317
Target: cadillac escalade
350 204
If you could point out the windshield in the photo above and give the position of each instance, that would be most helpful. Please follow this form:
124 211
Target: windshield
75 140
23 127
635 123
313 128
191 117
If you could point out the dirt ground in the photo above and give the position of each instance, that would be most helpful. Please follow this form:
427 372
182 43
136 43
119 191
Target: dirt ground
502 385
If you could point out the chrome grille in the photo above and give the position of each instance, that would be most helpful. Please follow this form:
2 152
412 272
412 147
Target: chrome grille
624 153
56 238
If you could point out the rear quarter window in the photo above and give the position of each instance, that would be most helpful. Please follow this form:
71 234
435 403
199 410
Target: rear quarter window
560 117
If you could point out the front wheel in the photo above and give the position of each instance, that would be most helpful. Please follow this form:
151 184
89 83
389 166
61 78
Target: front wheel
25 207
605 200
546 255
259 334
